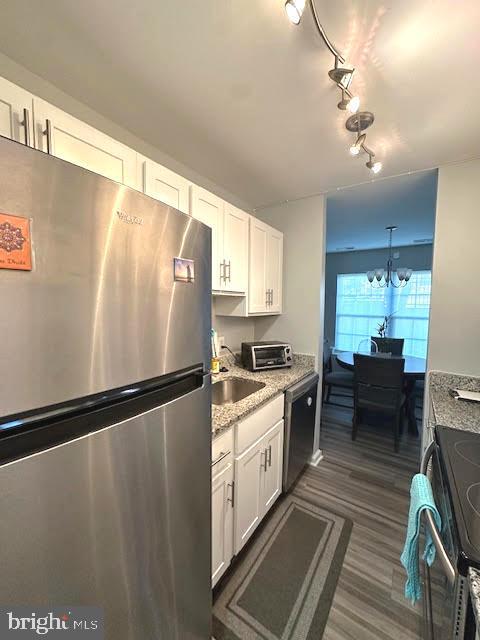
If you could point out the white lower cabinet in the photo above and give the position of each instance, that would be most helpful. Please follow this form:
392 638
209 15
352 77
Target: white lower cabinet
248 474
258 483
247 466
272 486
222 521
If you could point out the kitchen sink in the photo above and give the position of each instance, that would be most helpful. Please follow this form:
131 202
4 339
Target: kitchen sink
232 390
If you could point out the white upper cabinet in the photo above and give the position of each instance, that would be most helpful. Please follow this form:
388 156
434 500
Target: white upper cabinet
65 137
235 248
274 270
16 113
165 185
257 291
229 240
208 208
266 267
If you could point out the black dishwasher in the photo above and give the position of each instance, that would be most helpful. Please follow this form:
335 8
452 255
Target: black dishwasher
300 410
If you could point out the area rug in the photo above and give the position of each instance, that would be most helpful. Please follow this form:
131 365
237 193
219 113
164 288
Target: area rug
284 585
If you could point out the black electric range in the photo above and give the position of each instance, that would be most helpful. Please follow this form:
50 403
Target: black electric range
460 461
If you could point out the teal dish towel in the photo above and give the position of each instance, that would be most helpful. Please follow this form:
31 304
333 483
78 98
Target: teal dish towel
421 498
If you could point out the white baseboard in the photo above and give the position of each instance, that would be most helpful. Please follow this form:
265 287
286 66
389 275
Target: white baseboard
316 458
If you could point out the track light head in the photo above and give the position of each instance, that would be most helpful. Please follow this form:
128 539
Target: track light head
349 104
375 167
294 10
341 76
357 145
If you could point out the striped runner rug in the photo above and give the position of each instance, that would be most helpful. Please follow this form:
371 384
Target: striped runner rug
282 586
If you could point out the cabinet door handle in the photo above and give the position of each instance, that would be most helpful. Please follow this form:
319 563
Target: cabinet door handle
266 298
220 457
229 267
222 271
26 125
271 297
232 487
263 464
269 455
48 132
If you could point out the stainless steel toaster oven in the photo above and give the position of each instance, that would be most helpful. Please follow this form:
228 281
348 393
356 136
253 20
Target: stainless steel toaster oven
266 355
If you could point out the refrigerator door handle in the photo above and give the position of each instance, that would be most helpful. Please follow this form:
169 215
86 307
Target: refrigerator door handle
448 567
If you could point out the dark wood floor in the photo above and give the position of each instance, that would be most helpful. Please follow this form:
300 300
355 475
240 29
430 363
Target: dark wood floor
367 482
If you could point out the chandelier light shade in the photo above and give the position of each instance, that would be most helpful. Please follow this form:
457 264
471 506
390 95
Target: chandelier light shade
384 277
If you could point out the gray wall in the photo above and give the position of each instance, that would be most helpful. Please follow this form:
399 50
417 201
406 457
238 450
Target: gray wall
234 330
454 340
416 257
303 225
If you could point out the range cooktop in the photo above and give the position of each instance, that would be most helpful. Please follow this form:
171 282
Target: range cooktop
460 453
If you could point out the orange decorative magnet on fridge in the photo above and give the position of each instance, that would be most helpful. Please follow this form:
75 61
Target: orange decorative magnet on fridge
15 243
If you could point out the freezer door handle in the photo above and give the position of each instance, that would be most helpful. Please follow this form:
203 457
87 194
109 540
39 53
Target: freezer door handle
448 567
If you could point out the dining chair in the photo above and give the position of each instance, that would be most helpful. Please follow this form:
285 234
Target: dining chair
389 345
378 388
331 379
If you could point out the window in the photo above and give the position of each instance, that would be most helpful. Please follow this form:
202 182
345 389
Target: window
361 307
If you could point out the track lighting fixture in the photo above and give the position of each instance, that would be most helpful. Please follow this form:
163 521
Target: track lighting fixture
294 10
342 76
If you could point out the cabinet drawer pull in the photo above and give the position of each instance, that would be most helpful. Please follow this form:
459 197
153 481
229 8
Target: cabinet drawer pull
26 125
232 487
220 457
269 455
48 132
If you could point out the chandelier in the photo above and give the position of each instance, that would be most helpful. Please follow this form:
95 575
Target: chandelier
385 277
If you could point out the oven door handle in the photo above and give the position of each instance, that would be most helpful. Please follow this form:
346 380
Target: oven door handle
448 567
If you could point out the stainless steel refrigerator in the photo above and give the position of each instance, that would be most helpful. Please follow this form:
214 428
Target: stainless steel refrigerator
104 400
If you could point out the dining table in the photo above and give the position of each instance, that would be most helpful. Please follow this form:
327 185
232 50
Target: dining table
414 369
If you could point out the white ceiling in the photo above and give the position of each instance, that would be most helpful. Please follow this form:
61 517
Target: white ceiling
236 92
357 217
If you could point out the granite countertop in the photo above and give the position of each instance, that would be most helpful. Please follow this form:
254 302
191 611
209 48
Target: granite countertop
276 381
449 412
457 414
